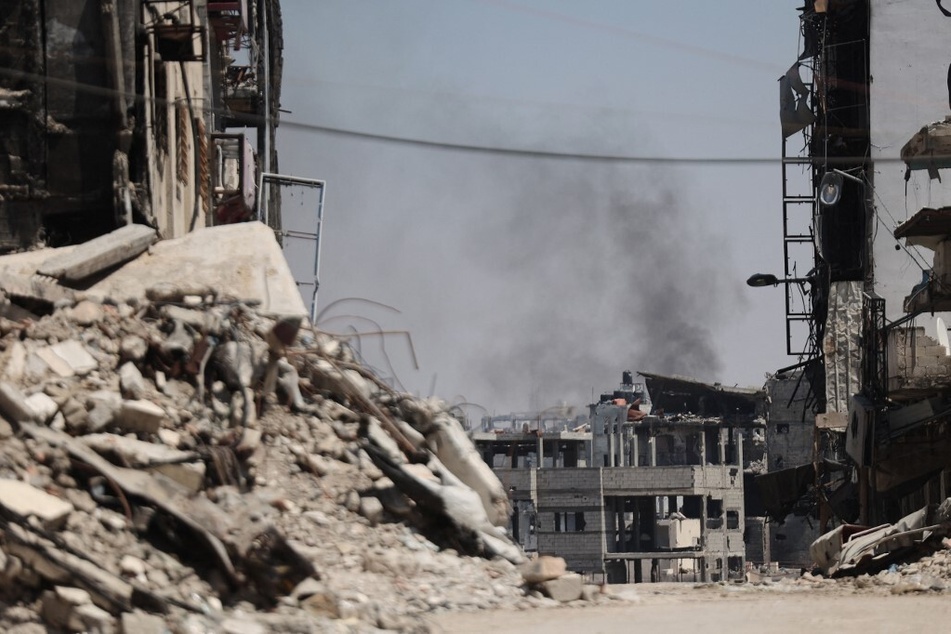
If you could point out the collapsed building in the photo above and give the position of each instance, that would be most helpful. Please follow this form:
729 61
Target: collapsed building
650 489
181 451
865 218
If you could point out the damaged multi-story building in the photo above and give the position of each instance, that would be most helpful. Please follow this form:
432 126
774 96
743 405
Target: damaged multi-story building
866 409
650 488
153 112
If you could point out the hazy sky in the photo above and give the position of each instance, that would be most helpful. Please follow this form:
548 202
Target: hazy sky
525 282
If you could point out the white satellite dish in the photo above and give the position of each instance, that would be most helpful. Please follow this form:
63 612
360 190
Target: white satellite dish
942 334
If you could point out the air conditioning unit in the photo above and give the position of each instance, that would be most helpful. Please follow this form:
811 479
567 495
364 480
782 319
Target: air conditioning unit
677 534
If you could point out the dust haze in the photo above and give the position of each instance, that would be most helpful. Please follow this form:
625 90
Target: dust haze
523 283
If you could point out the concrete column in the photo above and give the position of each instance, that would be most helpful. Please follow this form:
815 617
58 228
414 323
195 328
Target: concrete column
722 445
611 458
541 451
739 449
635 449
619 430
653 451
703 446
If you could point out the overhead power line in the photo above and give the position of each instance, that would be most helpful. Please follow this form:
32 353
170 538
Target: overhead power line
453 145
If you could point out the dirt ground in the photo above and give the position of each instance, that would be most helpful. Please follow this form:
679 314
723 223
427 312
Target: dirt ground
736 609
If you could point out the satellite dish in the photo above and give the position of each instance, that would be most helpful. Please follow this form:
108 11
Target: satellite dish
942 334
830 189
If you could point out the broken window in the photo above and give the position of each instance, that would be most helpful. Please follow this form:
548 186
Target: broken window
714 513
579 522
732 519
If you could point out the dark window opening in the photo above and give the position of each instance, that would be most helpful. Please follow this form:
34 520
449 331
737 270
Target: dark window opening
714 513
732 519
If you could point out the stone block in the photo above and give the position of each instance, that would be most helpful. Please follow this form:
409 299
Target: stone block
565 588
543 568
191 475
25 500
140 416
43 406
68 358
131 382
372 509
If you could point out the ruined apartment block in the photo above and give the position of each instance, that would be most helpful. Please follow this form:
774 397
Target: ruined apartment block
633 496
117 112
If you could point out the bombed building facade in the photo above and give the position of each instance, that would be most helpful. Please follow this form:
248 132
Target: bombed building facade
865 120
119 111
649 488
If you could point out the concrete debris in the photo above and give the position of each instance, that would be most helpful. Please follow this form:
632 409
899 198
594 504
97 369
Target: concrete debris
99 254
212 467
852 549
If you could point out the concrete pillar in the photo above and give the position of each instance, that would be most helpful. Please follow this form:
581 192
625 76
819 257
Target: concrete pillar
541 451
635 459
610 435
652 442
722 445
703 446
739 449
619 430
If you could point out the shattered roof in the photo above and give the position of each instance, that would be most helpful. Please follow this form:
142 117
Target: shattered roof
683 394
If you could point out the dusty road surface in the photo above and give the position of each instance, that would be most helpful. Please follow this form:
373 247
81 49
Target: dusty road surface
826 607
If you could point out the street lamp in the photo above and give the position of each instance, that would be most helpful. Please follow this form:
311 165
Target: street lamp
768 279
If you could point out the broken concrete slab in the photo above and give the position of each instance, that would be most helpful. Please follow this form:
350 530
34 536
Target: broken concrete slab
451 444
137 453
26 500
543 568
565 588
243 261
68 358
140 416
13 404
99 254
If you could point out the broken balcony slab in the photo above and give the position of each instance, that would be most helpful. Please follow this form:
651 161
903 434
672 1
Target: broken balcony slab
242 261
930 147
99 254
927 228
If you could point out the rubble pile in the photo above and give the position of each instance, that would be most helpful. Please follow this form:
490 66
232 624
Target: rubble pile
178 460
